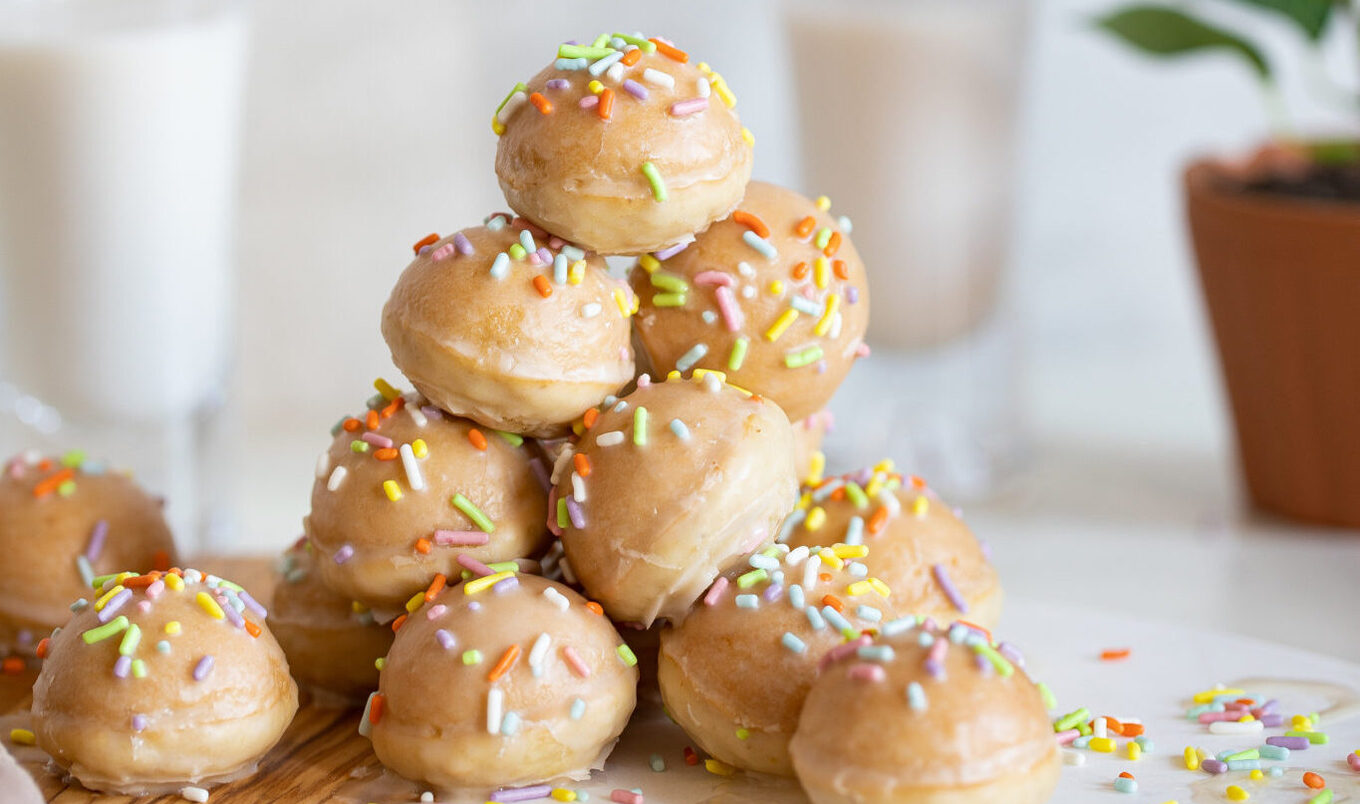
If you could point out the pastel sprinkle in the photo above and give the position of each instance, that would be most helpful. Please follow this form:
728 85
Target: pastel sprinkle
654 179
102 632
755 241
473 513
640 426
947 586
203 667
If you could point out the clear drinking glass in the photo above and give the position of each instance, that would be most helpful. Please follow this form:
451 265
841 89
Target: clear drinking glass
119 132
908 119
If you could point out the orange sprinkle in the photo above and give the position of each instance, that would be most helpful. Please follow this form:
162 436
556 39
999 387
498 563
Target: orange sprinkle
833 245
631 57
375 708
252 629
834 602
50 483
541 285
594 413
752 222
398 623
800 270
436 586
805 226
393 406
1131 730
670 51
423 546
385 454
1112 725
12 666
140 581
542 104
42 647
878 520
1246 701
478 440
839 268
1125 775
351 424
1114 654
160 561
838 494
371 420
978 628
824 577
45 465
595 608
1314 781
504 663
691 758
917 482
427 240
581 464
605 107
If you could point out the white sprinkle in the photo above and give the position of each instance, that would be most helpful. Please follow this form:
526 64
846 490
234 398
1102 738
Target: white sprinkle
365 725
591 310
426 797
694 355
610 439
538 653
1236 727
745 269
557 598
890 502
834 331
702 88
845 224
615 72
408 462
748 291
194 794
323 464
797 555
810 570
658 78
712 384
709 317
495 702
511 106
500 266
417 415
578 488
1074 758
337 477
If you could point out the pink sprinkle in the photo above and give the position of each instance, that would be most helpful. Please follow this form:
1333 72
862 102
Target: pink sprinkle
1353 759
1219 717
589 101
556 243
443 252
143 606
478 568
379 441
154 590
867 672
731 311
534 259
687 107
436 610
345 553
1065 737
432 412
625 796
574 661
461 538
862 350
842 650
715 592
15 468
714 278
644 380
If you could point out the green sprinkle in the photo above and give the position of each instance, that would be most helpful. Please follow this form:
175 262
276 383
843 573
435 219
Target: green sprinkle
380 663
669 299
474 513
358 446
472 657
577 52
1325 797
802 358
503 566
73 459
1050 700
601 40
640 426
519 87
516 251
563 519
1249 753
645 45
654 178
823 237
856 494
748 579
1071 719
1313 737
138 668
513 439
1002 665
132 637
738 354
66 489
626 654
117 625
99 580
668 281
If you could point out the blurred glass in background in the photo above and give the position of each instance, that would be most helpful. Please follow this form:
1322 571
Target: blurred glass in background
119 126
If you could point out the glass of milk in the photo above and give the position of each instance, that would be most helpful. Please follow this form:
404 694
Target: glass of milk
908 118
119 124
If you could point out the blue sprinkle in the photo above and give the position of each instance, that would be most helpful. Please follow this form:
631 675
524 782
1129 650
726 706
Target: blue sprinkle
815 618
1125 785
763 246
597 69
510 724
578 708
500 266
854 532
571 64
526 239
796 597
793 643
560 269
573 253
898 626
876 653
916 696
747 602
869 613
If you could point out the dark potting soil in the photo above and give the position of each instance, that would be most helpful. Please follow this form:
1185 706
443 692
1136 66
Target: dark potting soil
1326 182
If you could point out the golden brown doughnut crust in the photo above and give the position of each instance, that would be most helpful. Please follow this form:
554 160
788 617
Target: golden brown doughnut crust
651 523
979 732
909 531
727 675
42 534
580 176
172 695
721 291
434 718
380 551
497 350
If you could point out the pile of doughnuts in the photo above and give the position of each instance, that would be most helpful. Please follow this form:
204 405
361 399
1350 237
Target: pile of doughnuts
585 452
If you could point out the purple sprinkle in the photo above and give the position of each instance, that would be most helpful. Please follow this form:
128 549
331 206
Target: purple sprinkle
425 250
522 793
1012 653
635 89
1292 743
506 585
445 639
252 604
379 441
138 722
935 668
577 516
115 603
25 637
541 472
1272 720
947 586
474 606
122 666
852 294
687 107
1214 766
460 240
233 615
558 83
345 553
589 101
773 592
984 665
97 536
478 568
432 412
1268 707
461 538
203 668
670 251
544 255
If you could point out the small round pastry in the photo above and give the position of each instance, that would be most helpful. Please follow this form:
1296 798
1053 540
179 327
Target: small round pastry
502 680
943 723
407 492
735 672
165 680
624 146
932 561
808 433
63 522
774 295
670 486
509 327
331 641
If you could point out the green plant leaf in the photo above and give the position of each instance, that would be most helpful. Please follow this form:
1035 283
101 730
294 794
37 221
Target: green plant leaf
1310 15
1164 31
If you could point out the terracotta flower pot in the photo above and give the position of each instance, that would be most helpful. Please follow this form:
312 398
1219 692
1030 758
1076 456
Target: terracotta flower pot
1281 279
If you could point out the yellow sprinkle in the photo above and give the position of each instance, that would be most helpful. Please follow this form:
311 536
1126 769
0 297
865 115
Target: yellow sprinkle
1301 723
622 301
649 263
1135 750
497 126
815 518
104 598
850 550
885 465
859 588
823 203
879 587
1255 775
415 601
720 88
577 272
698 374
1191 758
804 501
824 323
1104 745
392 490
704 68
209 605
830 559
385 388
173 582
821 272
874 485
673 374
21 737
357 607
920 506
1245 719
172 627
776 287
563 794
1208 696
1236 793
748 136
419 448
780 324
718 768
595 87
474 586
